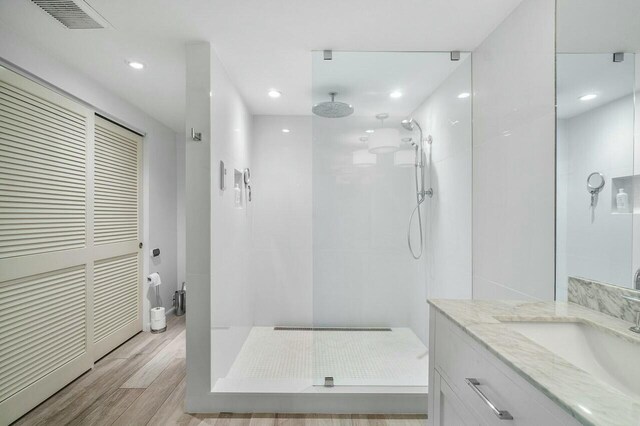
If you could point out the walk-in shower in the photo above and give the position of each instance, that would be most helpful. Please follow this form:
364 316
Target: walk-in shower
330 313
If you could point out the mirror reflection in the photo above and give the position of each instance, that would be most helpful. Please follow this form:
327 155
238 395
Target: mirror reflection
598 172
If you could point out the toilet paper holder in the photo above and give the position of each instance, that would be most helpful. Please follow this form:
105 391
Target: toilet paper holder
157 316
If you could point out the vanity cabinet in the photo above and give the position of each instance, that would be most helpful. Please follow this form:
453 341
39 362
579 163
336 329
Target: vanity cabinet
466 380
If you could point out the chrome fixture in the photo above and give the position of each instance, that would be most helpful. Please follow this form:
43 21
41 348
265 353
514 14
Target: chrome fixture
222 174
595 183
501 414
636 280
196 136
618 57
455 55
635 328
180 300
332 108
246 177
421 193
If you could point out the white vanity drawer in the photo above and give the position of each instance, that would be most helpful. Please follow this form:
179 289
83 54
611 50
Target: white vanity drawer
459 358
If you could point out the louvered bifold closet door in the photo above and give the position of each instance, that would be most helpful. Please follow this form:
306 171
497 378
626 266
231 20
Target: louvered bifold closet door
45 239
117 277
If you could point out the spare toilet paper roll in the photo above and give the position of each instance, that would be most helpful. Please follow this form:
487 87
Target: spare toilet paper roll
157 313
154 279
158 319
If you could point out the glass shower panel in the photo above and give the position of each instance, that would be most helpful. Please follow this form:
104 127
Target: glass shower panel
597 182
636 180
369 293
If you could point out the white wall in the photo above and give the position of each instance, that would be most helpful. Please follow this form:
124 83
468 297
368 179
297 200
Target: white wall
181 142
217 234
597 246
159 168
447 119
232 294
636 165
514 157
281 257
197 195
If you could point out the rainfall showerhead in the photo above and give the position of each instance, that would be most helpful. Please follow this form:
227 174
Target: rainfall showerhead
332 109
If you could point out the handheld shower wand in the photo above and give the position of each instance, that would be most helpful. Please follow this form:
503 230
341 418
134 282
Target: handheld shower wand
410 124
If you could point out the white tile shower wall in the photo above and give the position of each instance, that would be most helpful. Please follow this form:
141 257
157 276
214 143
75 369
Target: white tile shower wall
363 273
514 157
597 247
232 293
281 257
447 119
159 153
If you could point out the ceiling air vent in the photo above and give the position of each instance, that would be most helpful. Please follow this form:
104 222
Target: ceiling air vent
75 15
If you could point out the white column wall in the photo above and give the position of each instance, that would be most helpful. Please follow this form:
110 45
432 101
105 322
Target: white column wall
514 157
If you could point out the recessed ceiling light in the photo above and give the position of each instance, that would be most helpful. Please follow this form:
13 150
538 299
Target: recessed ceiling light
285 130
135 65
464 95
395 94
274 93
588 97
370 131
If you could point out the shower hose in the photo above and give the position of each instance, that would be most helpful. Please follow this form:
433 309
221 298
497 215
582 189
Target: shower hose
420 199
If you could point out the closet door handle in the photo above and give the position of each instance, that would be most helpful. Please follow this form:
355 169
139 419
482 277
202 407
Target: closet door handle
501 414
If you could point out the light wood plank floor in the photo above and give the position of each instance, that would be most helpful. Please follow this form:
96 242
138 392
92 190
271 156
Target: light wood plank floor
142 382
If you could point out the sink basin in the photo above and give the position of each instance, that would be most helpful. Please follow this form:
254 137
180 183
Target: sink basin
611 359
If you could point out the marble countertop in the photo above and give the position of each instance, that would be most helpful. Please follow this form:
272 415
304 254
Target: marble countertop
586 398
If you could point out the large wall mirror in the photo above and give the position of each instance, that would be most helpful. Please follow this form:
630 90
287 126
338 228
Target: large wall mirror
598 142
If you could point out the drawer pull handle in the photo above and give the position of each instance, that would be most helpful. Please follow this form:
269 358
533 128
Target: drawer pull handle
502 414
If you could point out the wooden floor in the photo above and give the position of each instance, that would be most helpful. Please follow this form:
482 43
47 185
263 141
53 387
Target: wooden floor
143 383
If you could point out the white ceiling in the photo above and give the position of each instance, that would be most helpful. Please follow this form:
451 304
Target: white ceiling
581 74
263 43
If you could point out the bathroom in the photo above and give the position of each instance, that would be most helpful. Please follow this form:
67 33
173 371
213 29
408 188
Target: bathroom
422 214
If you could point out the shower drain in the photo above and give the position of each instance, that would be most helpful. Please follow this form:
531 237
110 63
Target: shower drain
331 329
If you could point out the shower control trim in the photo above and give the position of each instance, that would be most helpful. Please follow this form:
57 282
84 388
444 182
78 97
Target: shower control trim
426 193
223 173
